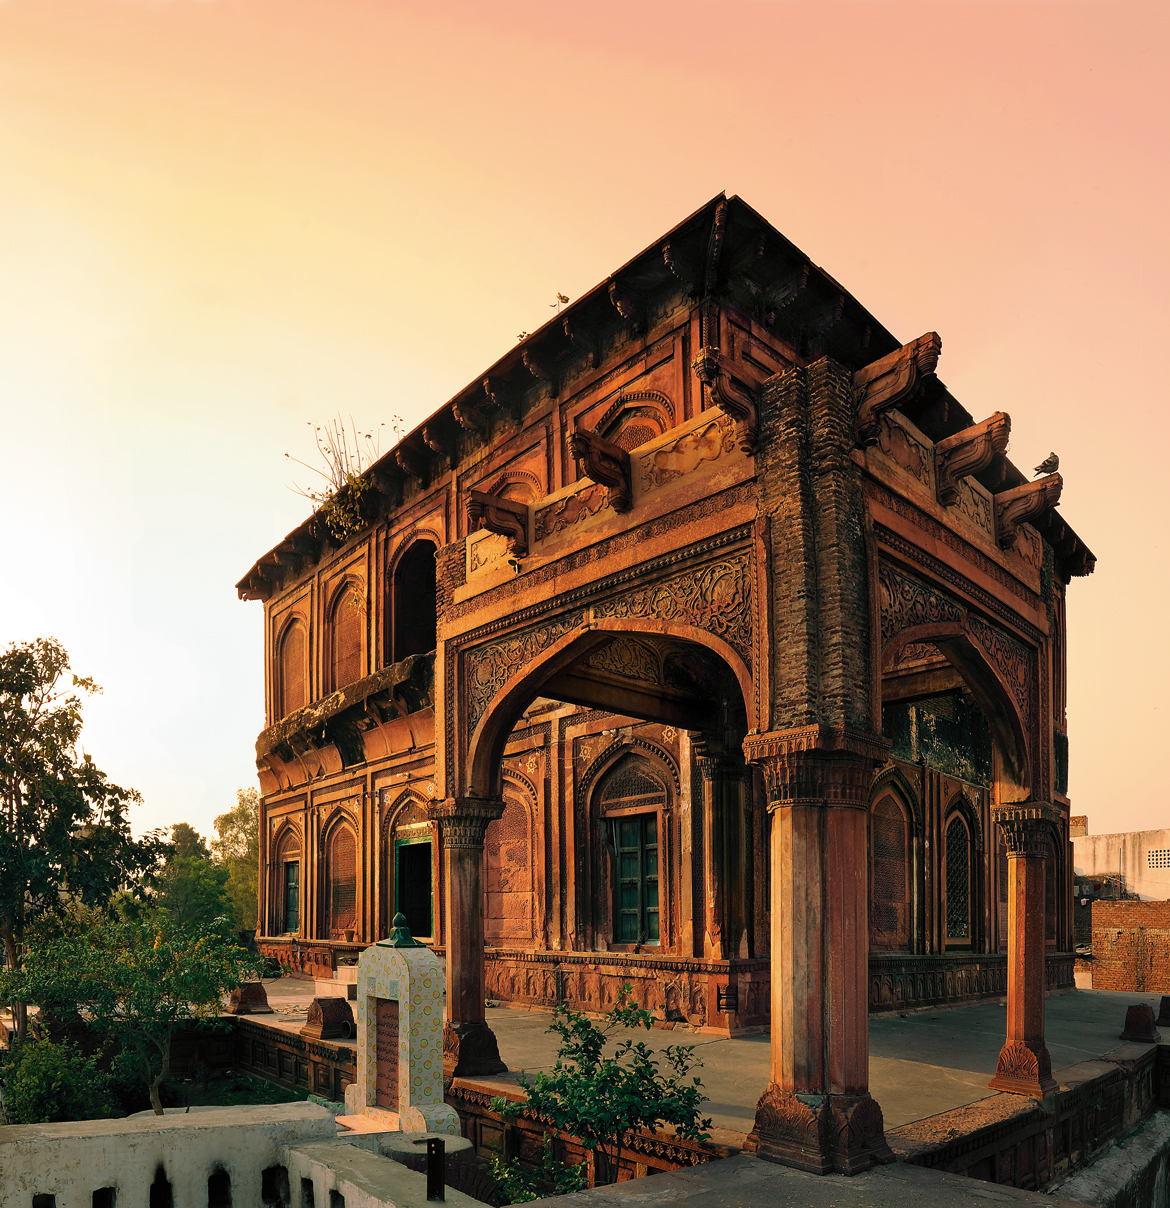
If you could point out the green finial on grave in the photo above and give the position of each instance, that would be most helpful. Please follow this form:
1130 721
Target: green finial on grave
400 936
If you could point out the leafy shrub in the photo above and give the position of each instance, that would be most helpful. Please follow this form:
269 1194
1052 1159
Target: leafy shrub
46 1082
518 1185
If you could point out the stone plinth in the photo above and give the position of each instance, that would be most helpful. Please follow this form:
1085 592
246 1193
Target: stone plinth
250 998
401 1001
329 1019
1140 1025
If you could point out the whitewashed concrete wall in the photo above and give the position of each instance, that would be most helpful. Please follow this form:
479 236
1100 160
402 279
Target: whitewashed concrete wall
1138 855
71 1161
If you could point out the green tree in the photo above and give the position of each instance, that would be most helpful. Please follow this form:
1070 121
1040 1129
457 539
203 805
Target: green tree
238 848
64 830
136 983
192 892
188 842
598 1098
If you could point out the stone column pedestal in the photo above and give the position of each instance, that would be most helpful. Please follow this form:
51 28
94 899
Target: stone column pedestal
1024 1066
469 1045
817 1113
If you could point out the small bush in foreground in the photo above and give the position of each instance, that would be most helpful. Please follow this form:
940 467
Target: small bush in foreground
45 1083
518 1185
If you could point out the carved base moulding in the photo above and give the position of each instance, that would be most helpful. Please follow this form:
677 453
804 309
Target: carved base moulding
1024 1068
822 1134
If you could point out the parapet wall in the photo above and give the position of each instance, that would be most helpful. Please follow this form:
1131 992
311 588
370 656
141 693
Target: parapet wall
220 1150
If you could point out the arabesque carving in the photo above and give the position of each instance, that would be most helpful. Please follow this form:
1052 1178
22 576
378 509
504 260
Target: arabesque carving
969 452
571 510
606 463
904 450
906 603
630 659
975 505
1012 658
489 668
498 515
892 380
715 598
1022 504
686 453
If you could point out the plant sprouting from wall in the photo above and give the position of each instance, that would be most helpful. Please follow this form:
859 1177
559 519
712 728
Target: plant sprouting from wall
346 457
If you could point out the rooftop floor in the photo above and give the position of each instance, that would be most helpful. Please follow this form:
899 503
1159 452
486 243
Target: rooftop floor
920 1064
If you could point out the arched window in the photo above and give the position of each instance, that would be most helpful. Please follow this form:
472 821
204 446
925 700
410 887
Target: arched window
889 880
415 601
958 866
342 883
632 799
287 896
346 618
291 688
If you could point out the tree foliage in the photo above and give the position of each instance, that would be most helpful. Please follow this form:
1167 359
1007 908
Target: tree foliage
136 983
46 1082
64 829
238 849
598 1098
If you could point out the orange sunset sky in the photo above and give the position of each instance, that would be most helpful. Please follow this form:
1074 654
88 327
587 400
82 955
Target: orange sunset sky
223 219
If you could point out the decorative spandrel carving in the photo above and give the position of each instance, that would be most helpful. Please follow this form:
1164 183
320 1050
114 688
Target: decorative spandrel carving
1022 504
892 380
489 668
905 449
715 598
685 454
917 656
629 659
571 510
507 517
906 603
735 397
606 463
969 452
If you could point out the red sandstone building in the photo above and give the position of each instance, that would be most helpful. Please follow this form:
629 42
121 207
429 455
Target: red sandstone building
700 643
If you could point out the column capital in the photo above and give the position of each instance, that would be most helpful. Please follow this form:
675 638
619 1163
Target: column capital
1026 826
817 765
463 821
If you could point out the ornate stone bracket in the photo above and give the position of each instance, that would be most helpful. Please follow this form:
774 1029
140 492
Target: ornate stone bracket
606 463
892 380
469 417
498 515
437 442
463 821
500 397
582 341
411 462
1023 504
968 452
627 306
538 369
725 391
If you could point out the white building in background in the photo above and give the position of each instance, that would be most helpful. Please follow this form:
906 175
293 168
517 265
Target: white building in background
1140 859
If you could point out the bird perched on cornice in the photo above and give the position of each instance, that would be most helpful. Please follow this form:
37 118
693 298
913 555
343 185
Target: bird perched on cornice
1049 465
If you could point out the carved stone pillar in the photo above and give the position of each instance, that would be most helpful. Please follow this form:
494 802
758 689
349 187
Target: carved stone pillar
725 873
469 1045
1024 1064
817 1113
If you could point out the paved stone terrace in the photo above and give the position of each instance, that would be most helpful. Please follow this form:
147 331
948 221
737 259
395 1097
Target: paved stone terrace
920 1064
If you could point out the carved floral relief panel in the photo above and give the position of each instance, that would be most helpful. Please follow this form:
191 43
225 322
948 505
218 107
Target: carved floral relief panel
681 455
975 503
904 445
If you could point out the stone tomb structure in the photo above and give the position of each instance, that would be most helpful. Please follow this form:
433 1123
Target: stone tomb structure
400 1010
704 641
